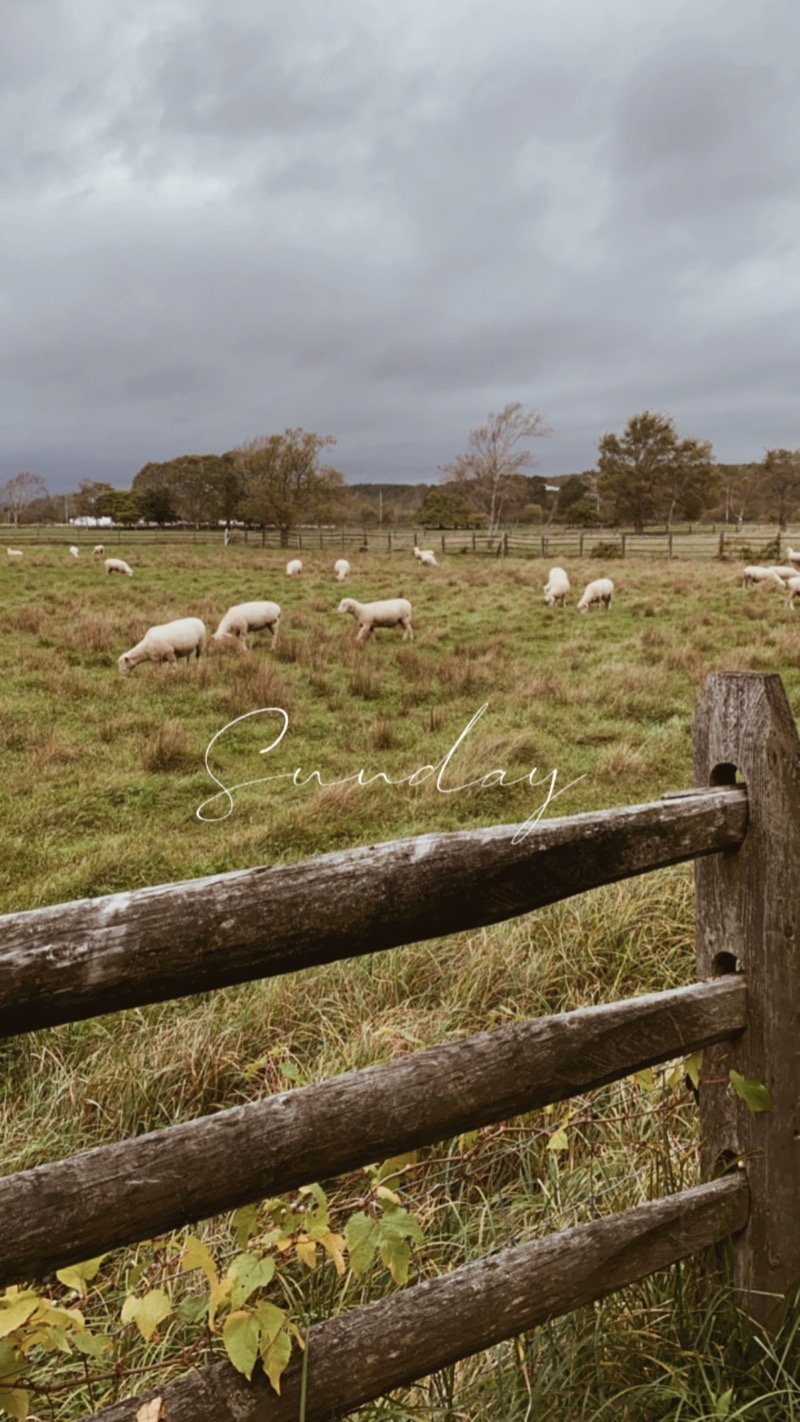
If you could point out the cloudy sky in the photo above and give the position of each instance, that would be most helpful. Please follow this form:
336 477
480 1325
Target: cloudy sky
384 221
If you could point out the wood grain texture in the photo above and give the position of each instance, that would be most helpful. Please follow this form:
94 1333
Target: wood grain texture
364 1354
748 910
72 1210
78 960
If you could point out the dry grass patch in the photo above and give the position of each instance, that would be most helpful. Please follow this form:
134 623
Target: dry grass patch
167 749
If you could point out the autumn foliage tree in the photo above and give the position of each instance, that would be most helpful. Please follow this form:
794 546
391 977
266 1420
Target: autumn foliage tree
649 475
283 482
488 475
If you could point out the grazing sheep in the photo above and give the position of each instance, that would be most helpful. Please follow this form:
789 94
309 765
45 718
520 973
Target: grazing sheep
250 617
294 566
754 573
98 550
793 584
426 556
600 590
793 555
394 612
341 568
556 587
76 552
14 552
166 643
783 570
117 565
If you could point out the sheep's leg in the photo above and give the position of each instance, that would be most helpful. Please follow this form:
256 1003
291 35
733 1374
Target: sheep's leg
364 634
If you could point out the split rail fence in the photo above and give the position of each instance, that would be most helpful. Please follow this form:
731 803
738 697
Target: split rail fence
742 826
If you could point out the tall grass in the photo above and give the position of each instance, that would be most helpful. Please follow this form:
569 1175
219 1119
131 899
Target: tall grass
102 779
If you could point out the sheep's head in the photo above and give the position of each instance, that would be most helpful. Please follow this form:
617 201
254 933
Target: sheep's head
125 664
347 605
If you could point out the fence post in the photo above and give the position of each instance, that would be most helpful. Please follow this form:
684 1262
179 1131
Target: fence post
473 541
669 549
622 545
748 915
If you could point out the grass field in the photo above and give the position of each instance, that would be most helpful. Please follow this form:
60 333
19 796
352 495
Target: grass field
103 779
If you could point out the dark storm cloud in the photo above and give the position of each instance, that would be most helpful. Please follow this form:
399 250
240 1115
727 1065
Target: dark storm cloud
383 222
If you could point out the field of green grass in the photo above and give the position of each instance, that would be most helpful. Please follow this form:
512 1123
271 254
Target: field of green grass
104 776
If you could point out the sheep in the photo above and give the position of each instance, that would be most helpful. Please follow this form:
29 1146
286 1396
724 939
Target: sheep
754 573
117 565
250 617
294 566
98 550
793 555
341 568
14 552
426 556
76 552
600 590
166 643
793 584
783 570
556 587
393 612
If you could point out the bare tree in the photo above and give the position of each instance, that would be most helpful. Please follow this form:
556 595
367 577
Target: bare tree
487 475
20 491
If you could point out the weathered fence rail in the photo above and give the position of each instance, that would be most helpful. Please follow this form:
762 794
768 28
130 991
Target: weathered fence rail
77 960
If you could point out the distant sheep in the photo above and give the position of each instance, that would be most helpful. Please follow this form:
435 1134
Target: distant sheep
754 573
394 612
341 568
784 570
793 584
294 566
426 556
793 555
250 617
117 565
601 590
556 587
166 643
98 550
14 552
76 552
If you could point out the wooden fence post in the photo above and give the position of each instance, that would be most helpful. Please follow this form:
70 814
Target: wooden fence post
748 917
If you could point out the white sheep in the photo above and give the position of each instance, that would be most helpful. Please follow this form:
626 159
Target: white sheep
294 566
117 565
250 617
600 590
784 570
556 587
98 550
14 552
393 612
793 584
426 556
754 573
76 552
793 555
166 643
341 568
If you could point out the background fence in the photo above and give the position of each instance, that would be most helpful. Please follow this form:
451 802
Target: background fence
741 824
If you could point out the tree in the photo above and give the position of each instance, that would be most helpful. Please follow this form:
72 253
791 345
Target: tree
440 509
283 483
198 488
95 499
649 474
488 474
782 470
21 491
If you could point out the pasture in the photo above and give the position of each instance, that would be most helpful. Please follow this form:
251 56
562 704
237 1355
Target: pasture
103 778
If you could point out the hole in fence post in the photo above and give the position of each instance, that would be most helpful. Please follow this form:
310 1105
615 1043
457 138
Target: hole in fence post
724 774
724 963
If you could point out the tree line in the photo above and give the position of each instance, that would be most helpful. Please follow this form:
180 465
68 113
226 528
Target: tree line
647 475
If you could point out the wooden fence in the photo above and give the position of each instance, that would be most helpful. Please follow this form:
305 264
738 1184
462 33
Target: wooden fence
742 826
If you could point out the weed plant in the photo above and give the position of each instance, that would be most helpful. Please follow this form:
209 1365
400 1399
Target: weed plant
104 775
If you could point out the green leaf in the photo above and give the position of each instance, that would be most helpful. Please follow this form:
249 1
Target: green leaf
361 1234
692 1066
243 1222
147 1312
241 1335
396 1255
94 1345
14 1401
15 1313
559 1140
275 1358
249 1272
270 1320
645 1078
197 1256
754 1094
11 1362
722 1406
77 1276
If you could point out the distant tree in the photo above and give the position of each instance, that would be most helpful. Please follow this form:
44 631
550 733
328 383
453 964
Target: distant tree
487 474
283 482
94 499
125 507
583 513
649 475
48 508
195 488
440 509
781 470
741 490
20 491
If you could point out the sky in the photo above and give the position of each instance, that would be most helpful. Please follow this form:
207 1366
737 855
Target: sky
384 222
